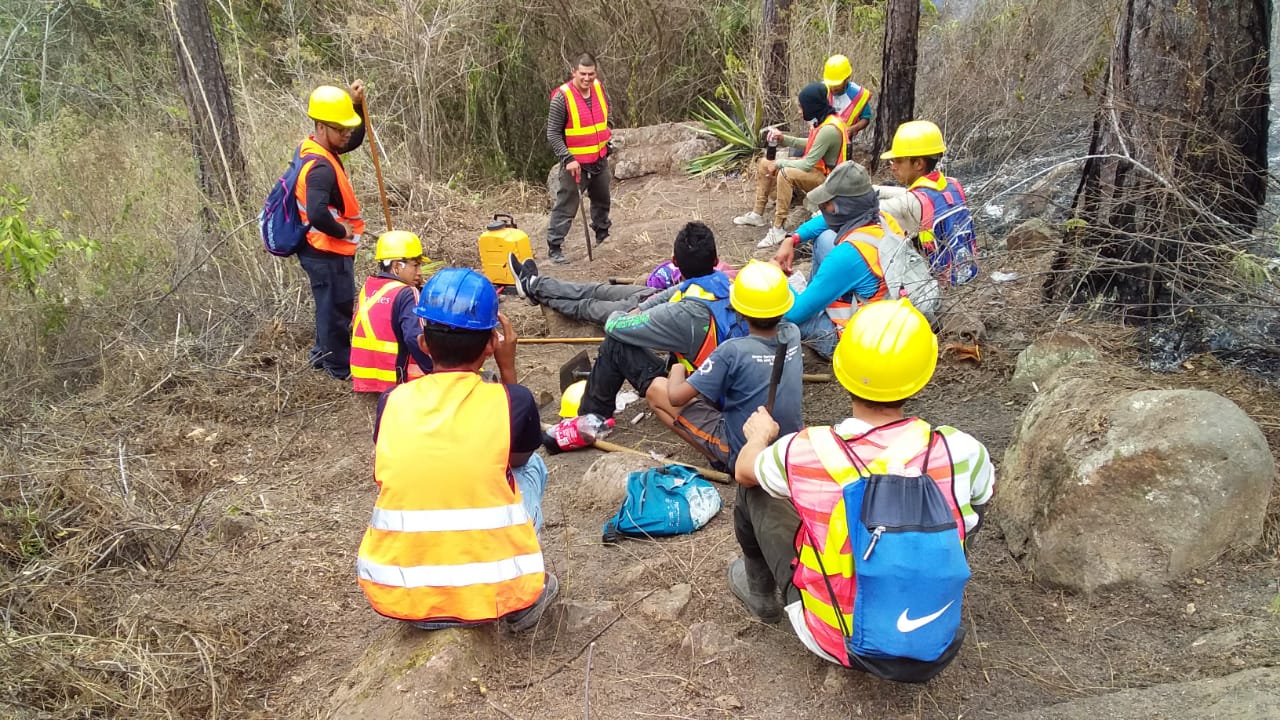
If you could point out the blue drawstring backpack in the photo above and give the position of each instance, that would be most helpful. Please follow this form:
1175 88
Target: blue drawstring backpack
670 500
280 223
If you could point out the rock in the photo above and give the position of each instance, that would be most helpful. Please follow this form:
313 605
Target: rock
1047 355
835 681
657 149
1034 234
1048 188
562 326
604 486
231 527
1105 485
653 149
669 604
706 640
634 574
1248 695
581 614
1240 638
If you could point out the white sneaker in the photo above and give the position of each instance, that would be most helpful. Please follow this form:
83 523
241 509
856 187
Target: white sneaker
752 218
774 237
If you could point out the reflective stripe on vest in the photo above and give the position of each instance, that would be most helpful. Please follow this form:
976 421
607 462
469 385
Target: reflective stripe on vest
818 468
834 120
446 541
853 110
586 128
374 350
723 322
351 207
841 310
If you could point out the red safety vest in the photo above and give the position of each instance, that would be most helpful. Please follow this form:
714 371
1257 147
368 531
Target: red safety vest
835 120
374 350
818 468
586 128
859 101
449 538
351 207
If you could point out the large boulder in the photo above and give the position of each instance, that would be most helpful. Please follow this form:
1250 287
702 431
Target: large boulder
1047 355
650 150
1107 483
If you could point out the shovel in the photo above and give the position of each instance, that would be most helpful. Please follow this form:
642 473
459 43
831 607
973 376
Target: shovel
578 368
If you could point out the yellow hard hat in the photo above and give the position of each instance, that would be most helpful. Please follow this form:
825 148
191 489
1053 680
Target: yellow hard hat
332 105
917 138
761 291
886 353
571 399
397 245
836 71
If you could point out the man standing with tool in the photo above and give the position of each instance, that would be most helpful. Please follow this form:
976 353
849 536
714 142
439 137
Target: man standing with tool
328 203
578 133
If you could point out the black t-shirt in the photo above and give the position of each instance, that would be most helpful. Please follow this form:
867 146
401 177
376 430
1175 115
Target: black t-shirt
525 422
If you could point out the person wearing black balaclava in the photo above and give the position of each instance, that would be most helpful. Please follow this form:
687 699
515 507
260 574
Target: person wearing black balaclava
839 275
824 148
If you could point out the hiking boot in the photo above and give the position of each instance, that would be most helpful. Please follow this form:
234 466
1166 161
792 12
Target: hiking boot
557 256
751 581
601 237
525 619
752 218
774 237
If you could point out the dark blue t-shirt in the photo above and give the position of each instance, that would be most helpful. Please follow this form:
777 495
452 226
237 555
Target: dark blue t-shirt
735 378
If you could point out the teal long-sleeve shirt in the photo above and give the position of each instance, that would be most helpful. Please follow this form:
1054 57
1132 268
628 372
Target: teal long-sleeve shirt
842 272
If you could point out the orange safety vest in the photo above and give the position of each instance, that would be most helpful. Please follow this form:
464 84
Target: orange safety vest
859 101
818 468
835 120
351 206
449 538
841 310
374 349
586 129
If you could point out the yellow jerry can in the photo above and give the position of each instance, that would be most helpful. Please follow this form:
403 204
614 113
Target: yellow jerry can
499 239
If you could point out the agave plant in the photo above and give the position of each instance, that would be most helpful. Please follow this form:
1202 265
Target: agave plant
738 129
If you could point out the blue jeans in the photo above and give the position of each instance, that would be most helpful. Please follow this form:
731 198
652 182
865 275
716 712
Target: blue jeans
531 478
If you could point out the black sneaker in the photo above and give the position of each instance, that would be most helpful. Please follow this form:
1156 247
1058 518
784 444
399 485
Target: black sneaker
529 269
601 237
517 274
557 256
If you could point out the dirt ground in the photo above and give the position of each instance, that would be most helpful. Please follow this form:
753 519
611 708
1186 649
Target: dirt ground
282 459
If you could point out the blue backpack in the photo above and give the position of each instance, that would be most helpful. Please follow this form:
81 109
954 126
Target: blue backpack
911 573
280 223
670 500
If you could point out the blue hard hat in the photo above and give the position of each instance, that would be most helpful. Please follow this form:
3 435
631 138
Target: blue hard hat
460 298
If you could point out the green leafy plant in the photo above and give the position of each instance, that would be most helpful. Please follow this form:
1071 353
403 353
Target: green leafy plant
29 248
738 129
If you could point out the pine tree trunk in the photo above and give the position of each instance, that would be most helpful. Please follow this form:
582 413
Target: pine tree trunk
214 135
1182 131
774 63
897 98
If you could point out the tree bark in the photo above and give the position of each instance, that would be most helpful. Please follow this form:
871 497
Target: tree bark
774 63
214 135
897 101
1182 138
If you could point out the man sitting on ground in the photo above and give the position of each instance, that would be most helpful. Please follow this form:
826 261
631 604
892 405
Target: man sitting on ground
454 536
384 334
709 409
798 535
929 205
824 148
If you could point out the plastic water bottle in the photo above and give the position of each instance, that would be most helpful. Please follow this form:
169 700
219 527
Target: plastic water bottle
771 147
575 433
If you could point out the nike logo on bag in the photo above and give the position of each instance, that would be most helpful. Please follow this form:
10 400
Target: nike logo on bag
907 625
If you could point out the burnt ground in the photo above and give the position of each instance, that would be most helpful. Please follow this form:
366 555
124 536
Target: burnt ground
274 464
